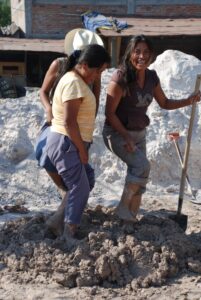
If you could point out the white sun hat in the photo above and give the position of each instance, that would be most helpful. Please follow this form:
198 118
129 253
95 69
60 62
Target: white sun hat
78 38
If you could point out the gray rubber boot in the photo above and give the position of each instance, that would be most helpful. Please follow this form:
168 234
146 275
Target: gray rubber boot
129 204
135 204
56 222
68 236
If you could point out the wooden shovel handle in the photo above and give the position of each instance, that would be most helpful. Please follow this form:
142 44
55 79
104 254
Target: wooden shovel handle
187 148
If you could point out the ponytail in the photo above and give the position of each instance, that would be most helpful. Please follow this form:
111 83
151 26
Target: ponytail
93 55
64 67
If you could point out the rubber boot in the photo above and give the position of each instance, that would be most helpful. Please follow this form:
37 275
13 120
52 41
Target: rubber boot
56 222
69 235
135 205
129 203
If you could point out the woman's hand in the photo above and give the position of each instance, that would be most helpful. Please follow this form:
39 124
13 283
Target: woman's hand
83 156
49 115
195 97
129 143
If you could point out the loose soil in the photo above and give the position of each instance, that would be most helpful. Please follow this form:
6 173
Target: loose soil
111 259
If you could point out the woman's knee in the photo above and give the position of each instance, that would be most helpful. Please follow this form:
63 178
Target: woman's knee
71 176
146 168
57 179
139 173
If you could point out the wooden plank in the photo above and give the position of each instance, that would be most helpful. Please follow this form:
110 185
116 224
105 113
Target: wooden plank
40 45
157 27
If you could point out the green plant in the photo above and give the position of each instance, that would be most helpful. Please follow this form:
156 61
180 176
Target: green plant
5 13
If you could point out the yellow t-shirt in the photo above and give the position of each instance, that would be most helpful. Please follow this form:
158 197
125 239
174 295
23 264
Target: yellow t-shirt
72 86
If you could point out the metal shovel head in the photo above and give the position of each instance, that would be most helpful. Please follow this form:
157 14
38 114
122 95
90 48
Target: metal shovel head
181 220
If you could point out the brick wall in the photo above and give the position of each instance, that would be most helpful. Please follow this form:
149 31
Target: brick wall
62 18
176 10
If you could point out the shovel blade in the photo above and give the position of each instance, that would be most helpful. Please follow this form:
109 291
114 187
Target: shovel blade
181 220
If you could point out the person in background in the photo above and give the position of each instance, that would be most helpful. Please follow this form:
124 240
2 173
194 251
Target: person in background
130 91
76 39
74 111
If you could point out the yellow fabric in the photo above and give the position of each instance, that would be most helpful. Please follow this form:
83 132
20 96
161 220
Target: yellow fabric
70 87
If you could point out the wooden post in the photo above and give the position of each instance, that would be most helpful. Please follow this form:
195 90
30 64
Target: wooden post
114 48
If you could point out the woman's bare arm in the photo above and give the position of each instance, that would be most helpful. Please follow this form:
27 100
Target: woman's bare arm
48 82
171 104
71 109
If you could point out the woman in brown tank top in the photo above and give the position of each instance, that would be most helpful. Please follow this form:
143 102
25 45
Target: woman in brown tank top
130 91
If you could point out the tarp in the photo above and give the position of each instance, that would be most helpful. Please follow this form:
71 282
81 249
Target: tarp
93 21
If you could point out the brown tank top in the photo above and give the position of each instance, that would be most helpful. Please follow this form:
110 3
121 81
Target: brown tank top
133 106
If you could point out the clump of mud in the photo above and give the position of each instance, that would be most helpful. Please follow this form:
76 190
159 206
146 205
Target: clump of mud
110 254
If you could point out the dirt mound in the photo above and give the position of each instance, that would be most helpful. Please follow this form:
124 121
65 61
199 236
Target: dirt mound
110 254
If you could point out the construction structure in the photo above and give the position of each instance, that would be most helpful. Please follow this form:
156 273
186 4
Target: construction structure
52 19
171 24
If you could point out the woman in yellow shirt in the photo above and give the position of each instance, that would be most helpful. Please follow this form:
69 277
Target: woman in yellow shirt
74 110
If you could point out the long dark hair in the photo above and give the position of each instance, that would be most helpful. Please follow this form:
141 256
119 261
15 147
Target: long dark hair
126 65
93 55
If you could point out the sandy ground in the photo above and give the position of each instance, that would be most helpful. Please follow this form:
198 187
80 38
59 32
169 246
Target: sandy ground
152 259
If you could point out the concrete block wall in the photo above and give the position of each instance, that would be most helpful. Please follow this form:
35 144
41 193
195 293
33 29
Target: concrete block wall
18 13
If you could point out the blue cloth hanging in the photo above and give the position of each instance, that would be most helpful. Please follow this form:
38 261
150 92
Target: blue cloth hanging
93 21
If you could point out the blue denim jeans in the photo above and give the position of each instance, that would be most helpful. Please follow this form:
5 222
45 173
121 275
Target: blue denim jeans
78 178
40 149
138 166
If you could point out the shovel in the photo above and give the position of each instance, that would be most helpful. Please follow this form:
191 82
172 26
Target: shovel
180 218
